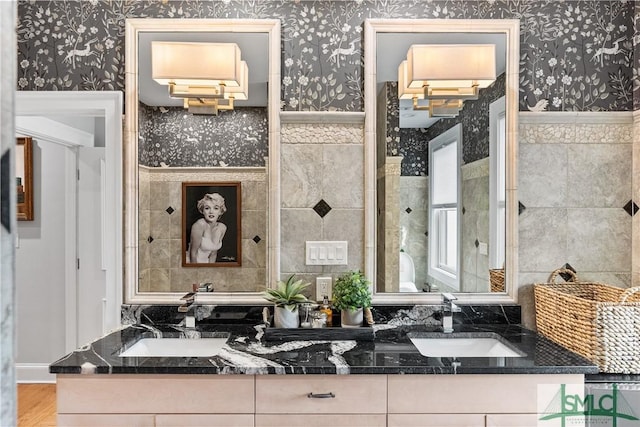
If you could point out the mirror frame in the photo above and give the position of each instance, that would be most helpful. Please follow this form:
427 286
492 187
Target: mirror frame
133 28
25 208
511 29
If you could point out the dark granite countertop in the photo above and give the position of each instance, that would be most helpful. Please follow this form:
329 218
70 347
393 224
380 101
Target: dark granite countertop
391 352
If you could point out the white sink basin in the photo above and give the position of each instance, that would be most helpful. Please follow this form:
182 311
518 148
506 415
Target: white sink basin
175 347
463 347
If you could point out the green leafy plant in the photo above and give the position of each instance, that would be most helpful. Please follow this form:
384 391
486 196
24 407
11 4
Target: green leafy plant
287 294
351 291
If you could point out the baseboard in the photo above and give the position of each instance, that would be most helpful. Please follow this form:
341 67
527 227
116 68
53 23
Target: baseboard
34 373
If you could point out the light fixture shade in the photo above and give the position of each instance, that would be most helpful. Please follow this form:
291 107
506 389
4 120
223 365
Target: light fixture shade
196 64
451 66
404 91
240 92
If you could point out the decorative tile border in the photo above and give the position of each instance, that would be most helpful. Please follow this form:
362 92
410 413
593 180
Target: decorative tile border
322 127
576 127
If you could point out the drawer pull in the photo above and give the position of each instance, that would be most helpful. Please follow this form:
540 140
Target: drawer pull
321 395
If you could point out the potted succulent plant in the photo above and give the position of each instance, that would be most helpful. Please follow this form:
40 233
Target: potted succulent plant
287 296
351 294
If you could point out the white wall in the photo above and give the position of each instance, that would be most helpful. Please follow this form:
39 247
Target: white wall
40 269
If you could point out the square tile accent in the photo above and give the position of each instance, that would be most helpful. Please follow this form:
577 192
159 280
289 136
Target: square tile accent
631 208
256 239
322 208
408 210
170 210
567 276
149 239
521 208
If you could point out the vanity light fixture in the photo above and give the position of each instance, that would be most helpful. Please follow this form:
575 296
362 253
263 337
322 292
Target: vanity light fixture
208 76
446 75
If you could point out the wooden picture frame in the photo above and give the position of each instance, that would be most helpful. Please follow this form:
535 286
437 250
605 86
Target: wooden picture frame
24 178
218 245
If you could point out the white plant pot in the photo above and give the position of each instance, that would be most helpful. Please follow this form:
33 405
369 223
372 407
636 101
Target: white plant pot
351 318
284 318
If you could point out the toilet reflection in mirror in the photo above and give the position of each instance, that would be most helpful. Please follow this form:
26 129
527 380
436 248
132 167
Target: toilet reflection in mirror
407 273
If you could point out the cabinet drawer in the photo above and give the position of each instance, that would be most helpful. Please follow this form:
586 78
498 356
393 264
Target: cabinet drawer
354 394
513 420
324 420
105 420
163 394
470 394
436 420
209 420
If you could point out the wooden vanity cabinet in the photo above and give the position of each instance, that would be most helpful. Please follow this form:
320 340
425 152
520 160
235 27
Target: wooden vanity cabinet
471 400
321 400
156 400
499 400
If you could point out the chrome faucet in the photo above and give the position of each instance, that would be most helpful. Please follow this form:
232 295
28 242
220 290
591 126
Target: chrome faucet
448 308
189 305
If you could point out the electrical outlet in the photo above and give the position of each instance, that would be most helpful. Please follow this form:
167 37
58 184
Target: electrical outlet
323 287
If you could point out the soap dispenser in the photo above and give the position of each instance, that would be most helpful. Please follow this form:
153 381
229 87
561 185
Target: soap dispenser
326 309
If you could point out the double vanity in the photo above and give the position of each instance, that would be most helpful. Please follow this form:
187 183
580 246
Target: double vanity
225 372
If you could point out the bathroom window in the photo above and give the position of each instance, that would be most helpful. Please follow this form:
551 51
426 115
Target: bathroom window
497 174
444 201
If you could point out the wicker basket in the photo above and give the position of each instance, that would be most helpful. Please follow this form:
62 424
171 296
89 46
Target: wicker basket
496 279
598 321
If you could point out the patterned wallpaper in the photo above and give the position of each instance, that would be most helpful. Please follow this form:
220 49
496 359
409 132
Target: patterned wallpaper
411 144
475 122
176 138
575 55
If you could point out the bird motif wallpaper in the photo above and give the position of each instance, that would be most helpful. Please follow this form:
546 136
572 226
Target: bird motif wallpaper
574 55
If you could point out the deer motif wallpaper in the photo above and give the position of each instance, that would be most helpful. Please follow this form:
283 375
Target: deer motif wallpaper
574 55
172 137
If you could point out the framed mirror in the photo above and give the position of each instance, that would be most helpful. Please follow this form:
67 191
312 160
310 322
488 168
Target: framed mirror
176 136
440 163
24 178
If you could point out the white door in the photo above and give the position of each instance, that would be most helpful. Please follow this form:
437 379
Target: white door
91 272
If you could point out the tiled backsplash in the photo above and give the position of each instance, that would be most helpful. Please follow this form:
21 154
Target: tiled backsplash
160 231
635 194
321 162
575 177
574 180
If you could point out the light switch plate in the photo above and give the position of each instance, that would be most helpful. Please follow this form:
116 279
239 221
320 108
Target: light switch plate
326 252
483 248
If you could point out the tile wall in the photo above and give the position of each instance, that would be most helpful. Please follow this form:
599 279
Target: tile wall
414 219
322 190
160 231
475 226
575 180
635 186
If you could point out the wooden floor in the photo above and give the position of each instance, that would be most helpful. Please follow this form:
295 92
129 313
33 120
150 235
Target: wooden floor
36 405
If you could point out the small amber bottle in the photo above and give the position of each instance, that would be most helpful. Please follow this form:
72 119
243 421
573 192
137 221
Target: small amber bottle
326 308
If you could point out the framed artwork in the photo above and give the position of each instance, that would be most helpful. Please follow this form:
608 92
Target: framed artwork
211 224
24 178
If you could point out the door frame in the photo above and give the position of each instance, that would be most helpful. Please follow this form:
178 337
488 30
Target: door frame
106 104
